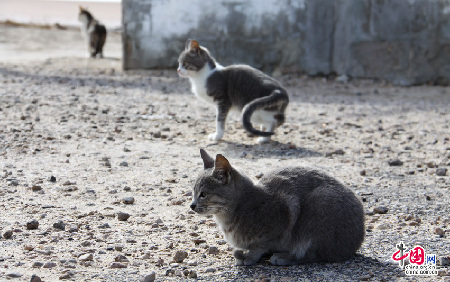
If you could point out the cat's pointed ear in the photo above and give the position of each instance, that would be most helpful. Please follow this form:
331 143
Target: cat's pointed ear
81 8
208 162
222 169
192 45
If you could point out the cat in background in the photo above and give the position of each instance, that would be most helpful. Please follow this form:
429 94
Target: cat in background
260 98
295 214
93 32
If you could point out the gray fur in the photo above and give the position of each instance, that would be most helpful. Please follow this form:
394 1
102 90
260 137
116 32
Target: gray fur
296 214
237 86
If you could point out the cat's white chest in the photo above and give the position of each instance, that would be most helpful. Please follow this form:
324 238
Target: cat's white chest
198 82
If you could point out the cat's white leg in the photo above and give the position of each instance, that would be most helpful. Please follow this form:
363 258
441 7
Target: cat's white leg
249 257
216 136
269 127
221 116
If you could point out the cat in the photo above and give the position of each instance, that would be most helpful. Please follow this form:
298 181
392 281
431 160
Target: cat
295 214
93 32
260 98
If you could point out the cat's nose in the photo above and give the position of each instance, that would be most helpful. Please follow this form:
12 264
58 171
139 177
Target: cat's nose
193 206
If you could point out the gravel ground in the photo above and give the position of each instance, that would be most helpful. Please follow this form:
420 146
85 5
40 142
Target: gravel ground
97 166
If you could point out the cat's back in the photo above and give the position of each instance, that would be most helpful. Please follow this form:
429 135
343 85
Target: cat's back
299 180
246 73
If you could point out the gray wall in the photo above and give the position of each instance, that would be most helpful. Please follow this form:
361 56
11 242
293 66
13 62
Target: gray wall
404 41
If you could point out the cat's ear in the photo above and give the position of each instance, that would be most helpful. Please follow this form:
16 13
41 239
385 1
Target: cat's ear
222 169
192 45
81 9
208 162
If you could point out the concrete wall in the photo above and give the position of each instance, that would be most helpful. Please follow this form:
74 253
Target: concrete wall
404 41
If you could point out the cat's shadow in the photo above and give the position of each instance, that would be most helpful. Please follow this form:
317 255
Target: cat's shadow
273 149
358 268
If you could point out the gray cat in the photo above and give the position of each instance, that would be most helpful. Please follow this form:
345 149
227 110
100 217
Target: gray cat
295 214
260 98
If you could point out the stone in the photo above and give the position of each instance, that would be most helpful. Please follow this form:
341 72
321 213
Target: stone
439 231
150 277
86 257
121 258
213 250
442 171
49 264
395 162
444 261
123 216
37 264
14 275
8 234
52 179
118 265
59 225
128 200
35 278
380 210
180 256
32 225
192 274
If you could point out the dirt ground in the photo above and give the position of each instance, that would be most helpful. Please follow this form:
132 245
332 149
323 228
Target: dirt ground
84 144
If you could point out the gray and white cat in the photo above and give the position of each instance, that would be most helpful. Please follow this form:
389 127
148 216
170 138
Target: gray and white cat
260 98
295 214
93 32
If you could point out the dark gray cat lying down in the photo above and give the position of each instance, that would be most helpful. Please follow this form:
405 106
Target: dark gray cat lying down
296 214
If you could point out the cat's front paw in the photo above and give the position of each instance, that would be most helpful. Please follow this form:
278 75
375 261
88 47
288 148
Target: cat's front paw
263 140
215 136
282 259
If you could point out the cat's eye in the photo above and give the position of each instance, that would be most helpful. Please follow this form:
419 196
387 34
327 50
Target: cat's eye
202 195
185 64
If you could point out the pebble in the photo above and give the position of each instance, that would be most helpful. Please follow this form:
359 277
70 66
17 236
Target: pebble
52 179
73 228
213 250
192 274
36 188
49 264
32 225
444 261
439 231
124 164
121 258
123 216
104 226
150 277
35 278
8 234
380 210
442 171
395 162
128 200
14 275
180 256
86 257
59 225
384 226
37 264
67 275
118 265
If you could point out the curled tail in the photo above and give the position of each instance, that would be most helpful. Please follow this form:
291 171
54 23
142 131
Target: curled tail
275 102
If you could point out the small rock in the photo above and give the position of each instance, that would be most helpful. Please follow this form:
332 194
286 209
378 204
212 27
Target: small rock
213 250
59 225
52 179
86 257
35 278
192 274
362 172
86 243
380 210
67 275
384 226
180 256
36 188
118 265
210 270
37 264
395 162
121 258
8 234
123 216
151 277
431 164
444 261
49 264
118 248
104 226
14 275
125 164
32 225
128 200
73 228
439 231
442 171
